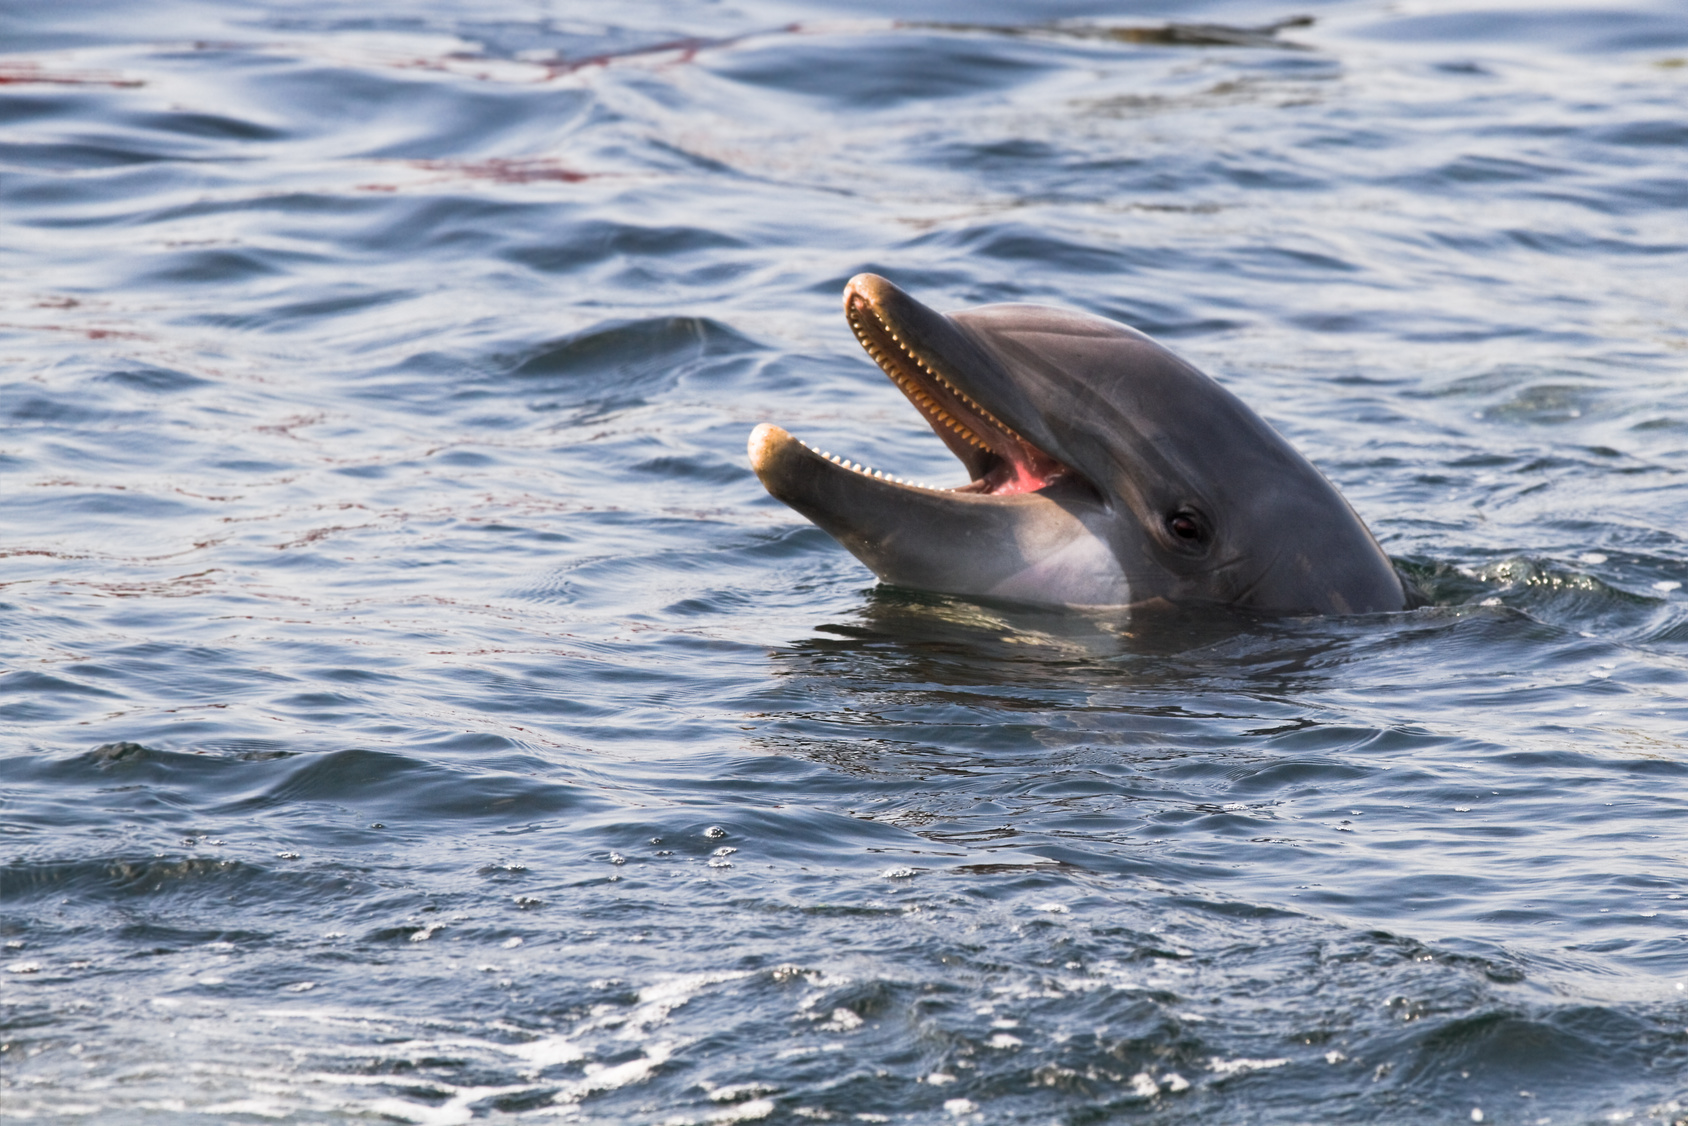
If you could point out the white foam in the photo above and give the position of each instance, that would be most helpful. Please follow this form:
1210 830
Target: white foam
453 1112
658 1000
599 1078
547 1051
737 1091
744 1112
843 1020
1233 1067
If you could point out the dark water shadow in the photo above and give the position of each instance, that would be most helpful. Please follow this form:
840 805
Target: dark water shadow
1170 34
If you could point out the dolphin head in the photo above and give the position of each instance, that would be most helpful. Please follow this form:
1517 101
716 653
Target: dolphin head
1104 471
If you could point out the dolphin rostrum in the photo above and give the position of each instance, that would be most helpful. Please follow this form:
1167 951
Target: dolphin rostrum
1105 471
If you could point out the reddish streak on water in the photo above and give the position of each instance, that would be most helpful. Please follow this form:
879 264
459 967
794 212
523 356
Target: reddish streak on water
20 73
508 170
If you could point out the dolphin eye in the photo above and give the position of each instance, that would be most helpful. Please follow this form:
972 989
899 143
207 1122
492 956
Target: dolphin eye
1184 524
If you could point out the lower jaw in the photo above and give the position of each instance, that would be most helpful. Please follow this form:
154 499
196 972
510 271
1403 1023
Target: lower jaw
1006 478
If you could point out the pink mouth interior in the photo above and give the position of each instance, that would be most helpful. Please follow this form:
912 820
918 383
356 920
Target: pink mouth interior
1025 470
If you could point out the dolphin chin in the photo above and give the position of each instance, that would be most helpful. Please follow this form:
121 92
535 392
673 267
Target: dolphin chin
1102 471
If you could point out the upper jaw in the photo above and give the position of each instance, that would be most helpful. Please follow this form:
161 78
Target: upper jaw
930 360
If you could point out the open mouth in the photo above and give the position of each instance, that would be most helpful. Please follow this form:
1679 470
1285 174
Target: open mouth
999 461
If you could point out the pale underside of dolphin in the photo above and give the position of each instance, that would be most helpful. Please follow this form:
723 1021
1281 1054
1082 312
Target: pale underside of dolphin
1104 472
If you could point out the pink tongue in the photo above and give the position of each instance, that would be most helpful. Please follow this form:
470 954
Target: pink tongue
1028 472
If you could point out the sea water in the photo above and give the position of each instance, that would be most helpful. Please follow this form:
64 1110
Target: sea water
416 711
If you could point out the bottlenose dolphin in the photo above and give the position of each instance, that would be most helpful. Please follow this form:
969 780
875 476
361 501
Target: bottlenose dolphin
1105 472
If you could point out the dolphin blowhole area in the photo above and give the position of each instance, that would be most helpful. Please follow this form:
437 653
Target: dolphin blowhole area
1103 471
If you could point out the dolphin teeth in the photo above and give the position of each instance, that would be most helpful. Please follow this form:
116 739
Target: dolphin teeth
873 346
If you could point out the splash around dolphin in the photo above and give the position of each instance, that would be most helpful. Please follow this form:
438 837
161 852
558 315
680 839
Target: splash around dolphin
1103 470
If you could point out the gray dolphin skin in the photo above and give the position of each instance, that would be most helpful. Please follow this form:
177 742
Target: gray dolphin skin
1104 472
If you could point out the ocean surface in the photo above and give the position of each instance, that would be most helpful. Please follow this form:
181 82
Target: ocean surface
414 709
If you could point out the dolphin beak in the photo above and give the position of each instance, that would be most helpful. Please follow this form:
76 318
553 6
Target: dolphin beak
911 342
859 510
792 470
